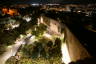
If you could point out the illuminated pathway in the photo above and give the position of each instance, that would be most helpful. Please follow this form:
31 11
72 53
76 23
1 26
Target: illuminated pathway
11 51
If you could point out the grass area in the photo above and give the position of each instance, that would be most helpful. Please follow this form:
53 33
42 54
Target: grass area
38 54
25 60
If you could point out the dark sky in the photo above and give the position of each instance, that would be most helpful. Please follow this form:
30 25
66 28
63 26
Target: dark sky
60 1
47 1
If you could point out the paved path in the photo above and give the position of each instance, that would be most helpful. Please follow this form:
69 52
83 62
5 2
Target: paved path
11 51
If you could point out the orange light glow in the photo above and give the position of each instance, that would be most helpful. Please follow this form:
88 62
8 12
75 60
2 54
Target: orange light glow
10 11
5 10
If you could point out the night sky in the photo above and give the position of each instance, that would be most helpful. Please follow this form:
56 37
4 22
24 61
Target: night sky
46 1
61 1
